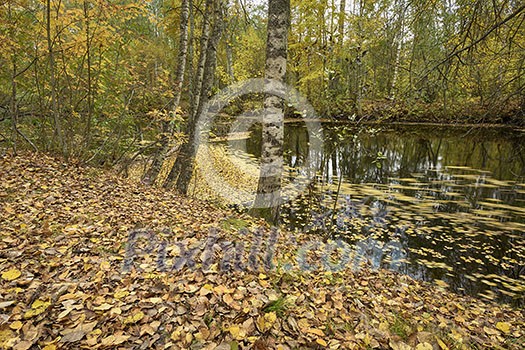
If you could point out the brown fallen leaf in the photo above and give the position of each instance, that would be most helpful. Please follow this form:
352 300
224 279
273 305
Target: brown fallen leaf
115 339
77 333
23 345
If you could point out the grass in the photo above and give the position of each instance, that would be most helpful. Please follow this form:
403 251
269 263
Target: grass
234 224
278 306
401 328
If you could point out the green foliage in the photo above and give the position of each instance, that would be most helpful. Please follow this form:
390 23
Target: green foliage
278 306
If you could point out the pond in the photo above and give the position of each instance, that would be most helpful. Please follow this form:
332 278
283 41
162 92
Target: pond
443 204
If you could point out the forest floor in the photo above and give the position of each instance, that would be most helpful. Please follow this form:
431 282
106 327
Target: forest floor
63 284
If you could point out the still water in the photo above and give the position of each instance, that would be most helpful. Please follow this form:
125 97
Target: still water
443 204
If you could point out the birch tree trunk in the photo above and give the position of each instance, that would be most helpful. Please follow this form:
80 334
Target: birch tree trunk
182 170
167 127
397 47
341 23
269 188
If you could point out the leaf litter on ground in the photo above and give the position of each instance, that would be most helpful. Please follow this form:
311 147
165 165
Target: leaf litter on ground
63 230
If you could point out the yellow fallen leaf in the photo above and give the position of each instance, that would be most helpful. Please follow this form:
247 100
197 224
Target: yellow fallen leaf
11 275
16 325
116 311
237 332
424 346
175 335
39 303
321 342
103 307
37 308
134 318
6 336
270 317
316 332
441 344
120 294
50 347
105 266
504 327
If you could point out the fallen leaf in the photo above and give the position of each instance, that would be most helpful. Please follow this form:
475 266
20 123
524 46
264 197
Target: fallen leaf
116 339
5 304
77 333
16 325
504 327
490 331
37 308
424 346
11 275
103 307
23 345
136 317
321 342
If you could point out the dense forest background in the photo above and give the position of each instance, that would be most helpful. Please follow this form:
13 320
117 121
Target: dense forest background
97 80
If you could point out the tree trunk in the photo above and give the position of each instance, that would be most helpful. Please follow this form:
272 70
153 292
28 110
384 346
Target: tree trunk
269 188
54 88
195 93
199 74
229 60
341 24
87 134
167 127
182 170
397 47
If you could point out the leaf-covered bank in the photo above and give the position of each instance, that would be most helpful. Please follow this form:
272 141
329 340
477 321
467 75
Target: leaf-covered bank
63 230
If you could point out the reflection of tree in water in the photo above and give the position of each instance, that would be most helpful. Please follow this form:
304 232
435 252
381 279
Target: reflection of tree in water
450 180
378 247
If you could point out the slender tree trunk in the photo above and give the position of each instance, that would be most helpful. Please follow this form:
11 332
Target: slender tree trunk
229 61
182 170
13 105
397 47
87 134
191 51
54 88
269 188
341 23
167 127
199 74
195 93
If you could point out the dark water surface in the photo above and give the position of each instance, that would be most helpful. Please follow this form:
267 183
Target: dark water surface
445 204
